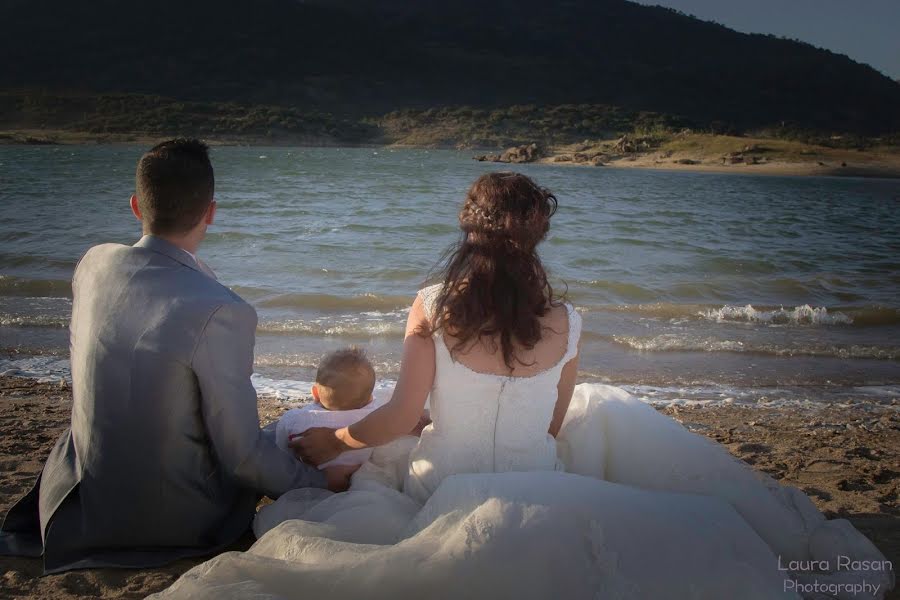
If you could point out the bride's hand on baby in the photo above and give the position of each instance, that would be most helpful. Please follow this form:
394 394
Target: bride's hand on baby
317 445
424 421
337 478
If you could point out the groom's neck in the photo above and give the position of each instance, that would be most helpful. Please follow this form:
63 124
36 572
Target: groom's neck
189 242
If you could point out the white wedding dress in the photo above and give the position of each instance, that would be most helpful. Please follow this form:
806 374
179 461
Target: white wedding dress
626 503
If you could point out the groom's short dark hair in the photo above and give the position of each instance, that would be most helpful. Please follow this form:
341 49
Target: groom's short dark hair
174 185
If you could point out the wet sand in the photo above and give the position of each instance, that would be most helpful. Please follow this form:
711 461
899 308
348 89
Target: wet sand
847 458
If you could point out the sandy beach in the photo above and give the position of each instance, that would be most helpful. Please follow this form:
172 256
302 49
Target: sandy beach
847 458
695 152
886 168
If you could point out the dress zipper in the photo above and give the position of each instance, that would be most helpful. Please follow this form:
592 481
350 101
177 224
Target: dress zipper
496 421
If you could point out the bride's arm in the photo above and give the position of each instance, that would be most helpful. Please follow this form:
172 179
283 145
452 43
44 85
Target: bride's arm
564 391
400 415
396 418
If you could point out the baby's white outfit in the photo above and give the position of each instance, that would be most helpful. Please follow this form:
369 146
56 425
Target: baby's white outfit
298 420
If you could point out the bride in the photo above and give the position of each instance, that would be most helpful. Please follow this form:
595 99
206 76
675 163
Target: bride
526 485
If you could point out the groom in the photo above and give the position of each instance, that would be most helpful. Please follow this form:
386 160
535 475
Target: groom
164 457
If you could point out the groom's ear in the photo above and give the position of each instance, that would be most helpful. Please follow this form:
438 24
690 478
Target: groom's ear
136 208
315 392
211 212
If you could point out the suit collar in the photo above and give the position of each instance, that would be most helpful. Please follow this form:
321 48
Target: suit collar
151 242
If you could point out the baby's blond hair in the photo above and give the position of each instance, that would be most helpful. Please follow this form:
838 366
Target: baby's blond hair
345 379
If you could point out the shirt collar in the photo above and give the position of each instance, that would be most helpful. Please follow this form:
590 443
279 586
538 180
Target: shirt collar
157 244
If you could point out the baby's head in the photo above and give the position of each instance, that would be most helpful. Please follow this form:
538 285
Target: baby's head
345 380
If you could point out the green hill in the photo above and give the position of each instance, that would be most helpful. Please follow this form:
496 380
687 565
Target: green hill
357 59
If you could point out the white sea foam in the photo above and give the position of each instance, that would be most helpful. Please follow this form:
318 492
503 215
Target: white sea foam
282 389
366 324
296 391
674 342
678 342
53 369
764 397
46 369
800 315
50 321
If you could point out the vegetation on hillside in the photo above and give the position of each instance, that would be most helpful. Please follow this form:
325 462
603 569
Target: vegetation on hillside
135 114
501 127
120 117
361 59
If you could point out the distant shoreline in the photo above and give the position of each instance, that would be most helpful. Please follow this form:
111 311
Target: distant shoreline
707 153
774 169
702 153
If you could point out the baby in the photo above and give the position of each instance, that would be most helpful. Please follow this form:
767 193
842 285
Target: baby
343 393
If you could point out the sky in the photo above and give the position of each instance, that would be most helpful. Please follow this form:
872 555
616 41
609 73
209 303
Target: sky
867 31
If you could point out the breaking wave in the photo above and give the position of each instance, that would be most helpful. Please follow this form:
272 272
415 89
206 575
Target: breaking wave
51 288
800 315
368 324
863 316
687 343
49 321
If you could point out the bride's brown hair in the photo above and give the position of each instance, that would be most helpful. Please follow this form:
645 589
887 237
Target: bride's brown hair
495 285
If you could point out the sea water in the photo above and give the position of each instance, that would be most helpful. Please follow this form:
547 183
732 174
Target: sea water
693 287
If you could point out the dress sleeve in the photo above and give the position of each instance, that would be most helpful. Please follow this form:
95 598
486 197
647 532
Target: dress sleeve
574 333
429 297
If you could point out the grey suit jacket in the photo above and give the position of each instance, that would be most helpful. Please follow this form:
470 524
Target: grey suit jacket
164 457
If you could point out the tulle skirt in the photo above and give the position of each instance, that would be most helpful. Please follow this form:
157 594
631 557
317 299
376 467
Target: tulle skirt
645 510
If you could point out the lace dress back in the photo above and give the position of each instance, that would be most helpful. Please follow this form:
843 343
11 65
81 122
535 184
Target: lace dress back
486 423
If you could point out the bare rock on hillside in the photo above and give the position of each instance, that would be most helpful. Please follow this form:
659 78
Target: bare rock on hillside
517 154
624 145
521 154
630 145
